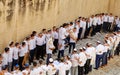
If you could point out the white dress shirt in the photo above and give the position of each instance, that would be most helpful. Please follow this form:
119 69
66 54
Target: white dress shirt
99 49
15 53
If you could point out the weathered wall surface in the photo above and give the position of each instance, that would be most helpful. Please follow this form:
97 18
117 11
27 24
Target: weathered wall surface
19 17
114 7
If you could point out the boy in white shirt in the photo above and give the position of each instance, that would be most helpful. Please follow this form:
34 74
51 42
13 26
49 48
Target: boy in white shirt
5 56
10 61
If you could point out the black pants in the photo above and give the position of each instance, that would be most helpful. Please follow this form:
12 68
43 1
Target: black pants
39 52
71 47
109 26
87 32
67 72
80 70
15 62
80 32
56 45
31 57
87 66
48 57
104 27
93 31
44 49
20 62
60 54
99 28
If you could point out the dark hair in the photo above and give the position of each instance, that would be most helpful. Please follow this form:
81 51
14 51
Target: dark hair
34 63
32 35
23 43
11 43
16 44
71 23
43 29
27 38
6 49
4 67
34 32
49 30
40 61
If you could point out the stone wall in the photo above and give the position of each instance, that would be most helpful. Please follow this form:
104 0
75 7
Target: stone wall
19 17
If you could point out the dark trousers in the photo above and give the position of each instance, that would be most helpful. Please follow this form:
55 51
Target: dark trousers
31 57
87 66
56 45
93 31
39 52
99 28
117 51
87 32
109 26
104 59
44 49
15 62
98 59
60 53
48 57
67 72
80 32
80 70
104 27
20 62
71 46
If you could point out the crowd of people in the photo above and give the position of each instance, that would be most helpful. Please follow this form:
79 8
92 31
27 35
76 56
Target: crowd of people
17 57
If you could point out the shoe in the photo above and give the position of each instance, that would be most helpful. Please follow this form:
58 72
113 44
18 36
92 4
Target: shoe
96 68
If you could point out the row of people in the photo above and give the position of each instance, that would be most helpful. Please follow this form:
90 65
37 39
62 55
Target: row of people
37 46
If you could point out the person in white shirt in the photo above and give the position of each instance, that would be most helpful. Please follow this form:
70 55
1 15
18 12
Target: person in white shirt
79 28
61 48
4 70
55 36
34 71
5 56
44 44
27 39
62 67
15 54
31 49
104 60
17 71
22 52
105 22
39 48
1 62
10 61
74 60
116 23
68 64
49 48
73 39
99 23
99 54
51 68
88 53
81 62
110 20
26 71
95 23
84 27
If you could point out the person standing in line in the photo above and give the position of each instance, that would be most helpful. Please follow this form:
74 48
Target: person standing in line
44 44
73 39
95 21
74 61
49 48
39 48
91 24
17 71
10 59
15 54
110 20
105 22
79 30
51 68
22 52
55 36
34 71
99 54
26 71
31 49
5 56
81 62
26 50
83 26
61 48
69 65
88 53
99 23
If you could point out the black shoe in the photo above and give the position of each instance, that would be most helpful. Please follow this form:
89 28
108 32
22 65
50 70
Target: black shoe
96 68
